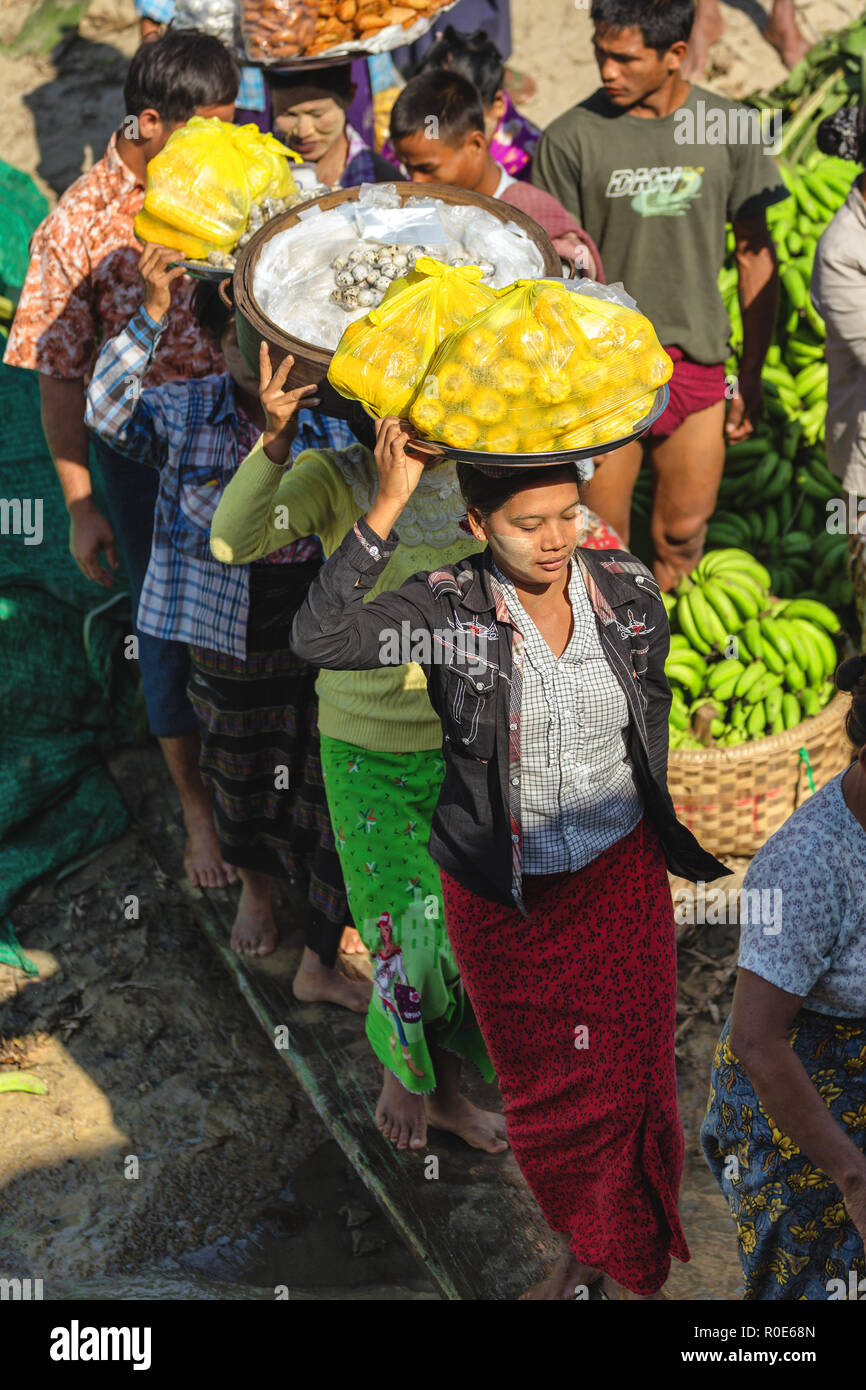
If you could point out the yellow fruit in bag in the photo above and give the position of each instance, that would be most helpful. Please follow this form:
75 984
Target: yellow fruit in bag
542 368
201 184
382 359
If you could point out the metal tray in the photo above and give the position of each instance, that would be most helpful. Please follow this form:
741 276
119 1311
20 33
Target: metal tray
203 270
479 457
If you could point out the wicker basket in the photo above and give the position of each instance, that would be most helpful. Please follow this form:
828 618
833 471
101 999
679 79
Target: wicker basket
312 362
734 799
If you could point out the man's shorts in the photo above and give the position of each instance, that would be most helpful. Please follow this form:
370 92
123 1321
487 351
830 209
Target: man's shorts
693 387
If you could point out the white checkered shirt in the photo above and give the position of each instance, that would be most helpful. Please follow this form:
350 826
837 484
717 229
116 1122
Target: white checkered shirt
577 791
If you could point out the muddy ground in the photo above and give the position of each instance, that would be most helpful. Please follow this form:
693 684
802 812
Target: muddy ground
174 1155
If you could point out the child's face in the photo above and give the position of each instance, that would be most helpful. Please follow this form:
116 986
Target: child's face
433 161
310 127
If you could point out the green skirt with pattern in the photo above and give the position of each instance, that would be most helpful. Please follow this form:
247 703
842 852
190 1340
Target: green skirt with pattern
381 806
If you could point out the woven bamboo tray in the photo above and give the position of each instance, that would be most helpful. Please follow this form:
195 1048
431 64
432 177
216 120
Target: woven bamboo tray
734 799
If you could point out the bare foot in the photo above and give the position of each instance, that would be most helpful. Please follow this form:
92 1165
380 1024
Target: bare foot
707 30
480 1129
315 983
789 43
563 1279
351 943
400 1115
205 866
618 1293
254 932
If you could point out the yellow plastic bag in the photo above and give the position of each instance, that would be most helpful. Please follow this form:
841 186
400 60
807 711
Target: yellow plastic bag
200 186
382 358
268 170
543 368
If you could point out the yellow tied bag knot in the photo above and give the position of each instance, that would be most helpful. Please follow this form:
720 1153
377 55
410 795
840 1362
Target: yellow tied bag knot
542 368
201 184
382 358
269 173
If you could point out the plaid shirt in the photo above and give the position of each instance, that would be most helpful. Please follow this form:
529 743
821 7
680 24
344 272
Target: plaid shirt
196 435
251 93
577 791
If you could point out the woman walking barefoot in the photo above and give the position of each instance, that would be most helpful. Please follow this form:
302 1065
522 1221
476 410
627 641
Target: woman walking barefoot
383 767
551 834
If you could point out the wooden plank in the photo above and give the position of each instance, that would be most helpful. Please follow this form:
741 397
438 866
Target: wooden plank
475 1225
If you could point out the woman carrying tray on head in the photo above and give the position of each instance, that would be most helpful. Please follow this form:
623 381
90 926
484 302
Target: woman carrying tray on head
310 117
551 832
381 746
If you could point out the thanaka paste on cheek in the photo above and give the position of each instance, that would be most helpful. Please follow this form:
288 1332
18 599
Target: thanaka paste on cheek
523 550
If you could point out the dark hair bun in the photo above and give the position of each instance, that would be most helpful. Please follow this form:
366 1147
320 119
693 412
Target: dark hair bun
850 672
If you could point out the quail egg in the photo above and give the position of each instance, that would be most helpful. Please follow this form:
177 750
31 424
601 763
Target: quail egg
367 297
382 283
340 262
359 270
343 278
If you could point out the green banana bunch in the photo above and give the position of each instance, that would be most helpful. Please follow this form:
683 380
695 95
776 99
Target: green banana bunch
751 663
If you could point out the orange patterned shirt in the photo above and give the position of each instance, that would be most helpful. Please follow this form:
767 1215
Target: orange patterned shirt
82 285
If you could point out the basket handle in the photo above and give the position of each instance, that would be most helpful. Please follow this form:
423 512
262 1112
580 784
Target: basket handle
804 758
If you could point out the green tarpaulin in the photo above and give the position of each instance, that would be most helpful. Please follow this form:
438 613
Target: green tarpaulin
66 694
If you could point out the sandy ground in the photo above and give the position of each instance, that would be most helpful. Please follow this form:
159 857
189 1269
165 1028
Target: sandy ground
148 1051
557 51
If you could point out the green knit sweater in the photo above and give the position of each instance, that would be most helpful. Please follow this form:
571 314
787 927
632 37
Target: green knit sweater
265 507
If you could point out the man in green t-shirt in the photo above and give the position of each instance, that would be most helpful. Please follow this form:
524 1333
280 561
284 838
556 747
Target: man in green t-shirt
653 168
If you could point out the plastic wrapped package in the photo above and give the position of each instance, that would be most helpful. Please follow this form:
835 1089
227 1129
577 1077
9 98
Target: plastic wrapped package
293 278
483 237
216 17
201 184
382 359
293 287
543 368
274 29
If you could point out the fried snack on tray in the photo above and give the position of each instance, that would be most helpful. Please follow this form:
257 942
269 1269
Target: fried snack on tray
274 29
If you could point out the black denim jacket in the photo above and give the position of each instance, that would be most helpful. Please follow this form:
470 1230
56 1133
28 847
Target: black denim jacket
454 622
